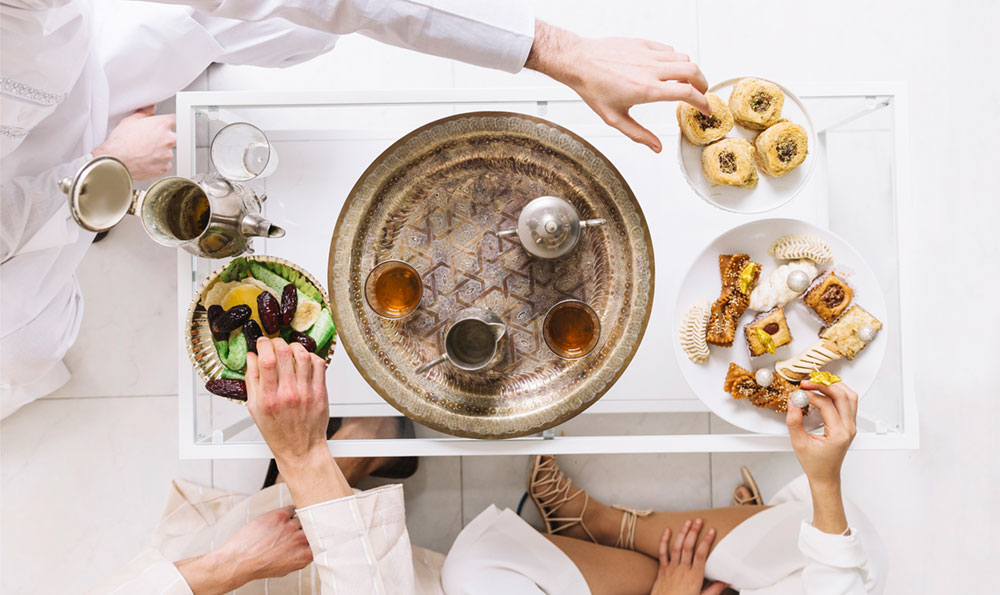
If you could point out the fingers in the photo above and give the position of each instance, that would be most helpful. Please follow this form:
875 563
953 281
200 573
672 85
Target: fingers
318 375
267 365
715 588
674 91
797 431
252 379
170 120
303 368
634 131
828 411
143 112
687 72
655 45
675 547
704 546
845 399
286 364
687 551
664 546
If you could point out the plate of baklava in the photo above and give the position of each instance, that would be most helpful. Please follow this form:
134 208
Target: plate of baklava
751 154
769 304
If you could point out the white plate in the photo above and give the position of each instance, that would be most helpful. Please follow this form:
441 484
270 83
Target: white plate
702 281
770 193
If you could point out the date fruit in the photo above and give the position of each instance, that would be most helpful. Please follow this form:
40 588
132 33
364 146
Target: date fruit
215 312
228 320
304 340
252 331
289 302
228 387
270 312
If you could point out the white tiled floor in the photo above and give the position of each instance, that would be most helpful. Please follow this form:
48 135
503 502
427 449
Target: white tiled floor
84 471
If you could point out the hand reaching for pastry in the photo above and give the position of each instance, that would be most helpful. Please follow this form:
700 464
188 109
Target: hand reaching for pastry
613 74
682 563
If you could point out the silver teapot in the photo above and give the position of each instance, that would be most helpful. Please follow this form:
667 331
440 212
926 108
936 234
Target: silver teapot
208 215
549 227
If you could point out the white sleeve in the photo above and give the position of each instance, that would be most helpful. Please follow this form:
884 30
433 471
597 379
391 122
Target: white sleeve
360 544
837 564
148 574
492 34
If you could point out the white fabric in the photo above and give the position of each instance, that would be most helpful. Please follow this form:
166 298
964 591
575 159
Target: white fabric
778 552
498 553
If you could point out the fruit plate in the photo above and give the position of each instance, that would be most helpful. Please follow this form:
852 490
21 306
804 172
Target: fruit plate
770 193
702 282
436 199
198 337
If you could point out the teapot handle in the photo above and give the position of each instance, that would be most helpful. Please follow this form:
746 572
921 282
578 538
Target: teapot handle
438 360
592 223
506 233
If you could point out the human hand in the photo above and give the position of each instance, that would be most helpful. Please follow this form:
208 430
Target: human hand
822 456
613 74
270 545
682 572
143 142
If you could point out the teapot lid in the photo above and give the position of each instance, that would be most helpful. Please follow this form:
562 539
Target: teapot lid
548 227
100 195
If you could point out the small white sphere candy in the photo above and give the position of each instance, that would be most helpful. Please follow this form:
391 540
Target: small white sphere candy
764 377
799 398
867 333
798 280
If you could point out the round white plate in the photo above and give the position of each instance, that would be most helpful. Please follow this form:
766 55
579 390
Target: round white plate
770 193
702 281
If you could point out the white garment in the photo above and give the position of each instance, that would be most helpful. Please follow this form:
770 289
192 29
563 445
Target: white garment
779 552
68 77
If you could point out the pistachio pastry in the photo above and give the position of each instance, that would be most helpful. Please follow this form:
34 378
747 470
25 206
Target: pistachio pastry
699 129
730 162
755 103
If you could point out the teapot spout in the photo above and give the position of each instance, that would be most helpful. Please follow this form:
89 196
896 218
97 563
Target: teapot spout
254 225
499 330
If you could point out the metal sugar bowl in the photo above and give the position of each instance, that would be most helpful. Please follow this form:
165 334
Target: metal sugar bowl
208 216
549 227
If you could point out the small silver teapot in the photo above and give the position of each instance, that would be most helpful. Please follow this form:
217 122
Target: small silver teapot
208 215
549 227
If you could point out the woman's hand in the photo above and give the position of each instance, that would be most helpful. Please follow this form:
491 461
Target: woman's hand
613 74
682 571
822 456
270 545
143 142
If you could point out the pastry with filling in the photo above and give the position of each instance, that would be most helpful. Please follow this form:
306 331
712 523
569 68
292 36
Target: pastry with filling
756 104
846 332
767 332
730 162
798 368
781 148
699 129
741 384
829 296
739 274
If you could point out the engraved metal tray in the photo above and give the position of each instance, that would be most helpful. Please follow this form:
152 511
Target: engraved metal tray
436 199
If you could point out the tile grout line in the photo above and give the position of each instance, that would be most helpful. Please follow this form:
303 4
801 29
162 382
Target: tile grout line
461 488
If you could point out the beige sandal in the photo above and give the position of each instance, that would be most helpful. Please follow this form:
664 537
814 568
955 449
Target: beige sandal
751 486
552 492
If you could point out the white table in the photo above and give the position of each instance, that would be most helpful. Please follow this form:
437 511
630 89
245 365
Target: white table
325 140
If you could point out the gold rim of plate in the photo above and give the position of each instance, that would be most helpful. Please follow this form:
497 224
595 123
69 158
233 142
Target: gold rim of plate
198 337
475 171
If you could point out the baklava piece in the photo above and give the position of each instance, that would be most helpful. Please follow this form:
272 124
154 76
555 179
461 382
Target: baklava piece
852 332
741 384
829 296
699 129
756 104
767 332
739 275
730 162
781 148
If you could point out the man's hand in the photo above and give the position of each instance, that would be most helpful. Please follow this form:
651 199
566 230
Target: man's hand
822 456
682 572
286 395
271 545
143 142
613 74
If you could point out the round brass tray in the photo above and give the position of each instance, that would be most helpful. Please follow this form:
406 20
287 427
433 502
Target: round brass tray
436 199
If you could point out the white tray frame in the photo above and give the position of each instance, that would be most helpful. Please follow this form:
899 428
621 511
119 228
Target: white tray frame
193 445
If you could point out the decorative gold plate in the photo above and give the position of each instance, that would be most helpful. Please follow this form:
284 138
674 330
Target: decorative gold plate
436 199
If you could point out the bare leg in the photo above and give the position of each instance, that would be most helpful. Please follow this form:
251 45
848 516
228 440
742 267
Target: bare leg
608 570
604 522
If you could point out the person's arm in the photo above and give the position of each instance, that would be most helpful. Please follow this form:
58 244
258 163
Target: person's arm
359 543
838 564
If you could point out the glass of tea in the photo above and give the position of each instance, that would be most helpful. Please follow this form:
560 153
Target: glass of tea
571 329
393 289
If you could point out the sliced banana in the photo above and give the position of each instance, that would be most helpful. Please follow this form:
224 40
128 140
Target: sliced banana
306 315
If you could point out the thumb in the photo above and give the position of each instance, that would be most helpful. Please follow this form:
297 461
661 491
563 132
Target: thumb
715 588
630 128
144 112
793 419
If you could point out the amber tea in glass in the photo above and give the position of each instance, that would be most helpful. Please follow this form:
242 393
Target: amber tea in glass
393 289
571 329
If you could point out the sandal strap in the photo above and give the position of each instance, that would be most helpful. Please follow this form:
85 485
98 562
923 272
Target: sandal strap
553 492
626 532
